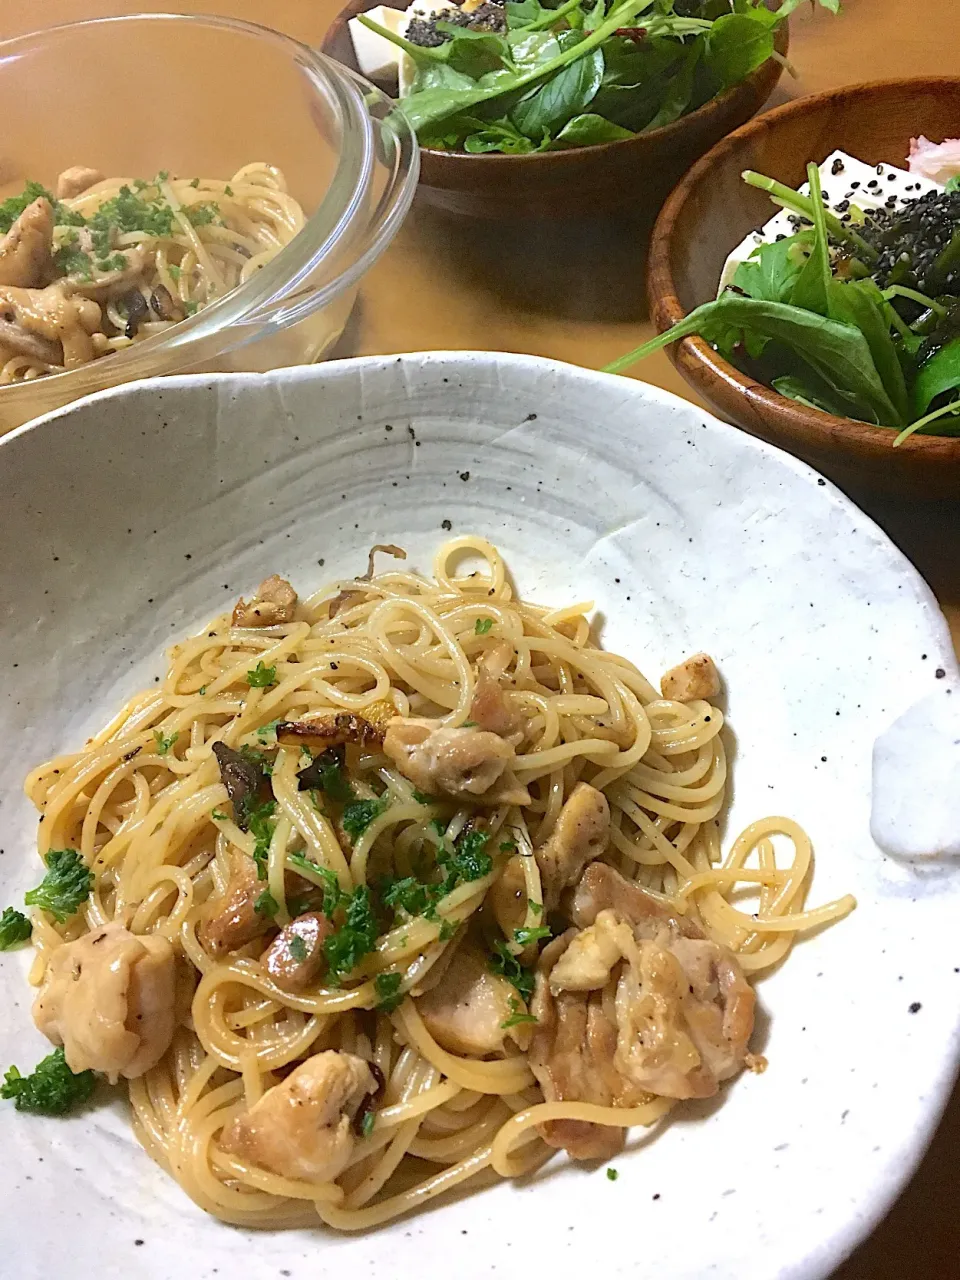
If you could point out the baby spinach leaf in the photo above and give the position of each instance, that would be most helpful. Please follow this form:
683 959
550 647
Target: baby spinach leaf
497 135
562 97
438 75
836 352
939 374
678 91
587 130
737 44
520 13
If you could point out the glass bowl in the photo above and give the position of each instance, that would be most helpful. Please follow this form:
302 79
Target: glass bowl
207 95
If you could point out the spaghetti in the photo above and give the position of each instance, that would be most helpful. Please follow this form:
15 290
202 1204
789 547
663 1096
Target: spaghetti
283 756
122 260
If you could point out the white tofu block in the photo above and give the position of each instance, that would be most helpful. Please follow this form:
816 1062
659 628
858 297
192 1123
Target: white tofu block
865 185
377 58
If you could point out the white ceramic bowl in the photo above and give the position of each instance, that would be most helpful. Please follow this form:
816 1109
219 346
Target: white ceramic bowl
134 516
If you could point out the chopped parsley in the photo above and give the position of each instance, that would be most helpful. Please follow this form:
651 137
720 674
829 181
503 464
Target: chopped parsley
259 814
355 938
194 182
163 742
507 964
51 1090
258 758
228 190
526 936
410 896
331 885
69 260
508 846
421 798
298 948
112 262
469 724
202 690
358 815
366 1125
202 215
14 928
612 1175
483 625
447 930
389 995
468 860
266 904
518 1015
536 907
65 887
261 677
267 733
218 815
174 271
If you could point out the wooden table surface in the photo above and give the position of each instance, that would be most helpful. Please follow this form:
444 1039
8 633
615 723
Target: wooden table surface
542 291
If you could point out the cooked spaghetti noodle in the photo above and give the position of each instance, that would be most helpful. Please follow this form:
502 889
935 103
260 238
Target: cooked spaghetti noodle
156 815
122 260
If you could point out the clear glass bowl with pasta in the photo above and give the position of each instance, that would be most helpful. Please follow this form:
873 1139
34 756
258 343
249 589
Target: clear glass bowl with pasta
279 175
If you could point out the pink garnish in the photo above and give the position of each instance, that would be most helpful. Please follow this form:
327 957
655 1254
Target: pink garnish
938 161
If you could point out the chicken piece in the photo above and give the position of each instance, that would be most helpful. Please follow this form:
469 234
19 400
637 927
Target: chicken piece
580 836
507 897
634 1002
231 921
302 1128
274 603
344 727
26 251
464 763
466 1010
296 957
108 998
75 180
692 679
489 709
63 323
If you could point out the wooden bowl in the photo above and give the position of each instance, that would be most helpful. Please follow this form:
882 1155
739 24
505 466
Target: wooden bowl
712 210
580 180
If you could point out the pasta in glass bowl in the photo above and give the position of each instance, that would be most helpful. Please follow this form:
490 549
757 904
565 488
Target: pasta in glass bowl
217 234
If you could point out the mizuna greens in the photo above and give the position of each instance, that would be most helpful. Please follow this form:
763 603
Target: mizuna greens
579 73
859 317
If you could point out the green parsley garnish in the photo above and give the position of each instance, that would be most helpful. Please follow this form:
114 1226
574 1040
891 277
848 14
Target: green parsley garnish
447 930
469 724
389 995
194 182
526 936
259 813
266 904
331 885
201 215
164 743
507 964
468 861
267 733
262 762
518 1015
261 677
536 907
51 1090
358 815
483 625
326 774
228 190
612 1175
174 271
508 846
66 885
366 1125
14 928
421 798
355 938
298 948
218 815
113 262
202 690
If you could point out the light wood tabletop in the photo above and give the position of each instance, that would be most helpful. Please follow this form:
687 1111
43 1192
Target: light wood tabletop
575 292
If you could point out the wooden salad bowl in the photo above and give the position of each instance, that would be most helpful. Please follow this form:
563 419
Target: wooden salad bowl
637 171
712 210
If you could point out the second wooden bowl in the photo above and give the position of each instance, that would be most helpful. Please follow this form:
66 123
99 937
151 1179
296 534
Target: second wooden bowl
712 210
638 171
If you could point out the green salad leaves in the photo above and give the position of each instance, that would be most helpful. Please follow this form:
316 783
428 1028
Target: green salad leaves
579 73
816 317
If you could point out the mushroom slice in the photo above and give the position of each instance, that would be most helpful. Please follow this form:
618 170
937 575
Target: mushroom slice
344 727
243 779
296 957
274 603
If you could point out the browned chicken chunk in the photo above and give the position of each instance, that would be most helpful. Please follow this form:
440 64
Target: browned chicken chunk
231 921
296 958
26 260
466 1010
490 709
463 763
302 1128
274 603
108 998
508 897
75 180
580 836
634 1002
692 679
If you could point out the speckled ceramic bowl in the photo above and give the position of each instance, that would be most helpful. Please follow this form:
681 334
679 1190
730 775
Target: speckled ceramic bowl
134 516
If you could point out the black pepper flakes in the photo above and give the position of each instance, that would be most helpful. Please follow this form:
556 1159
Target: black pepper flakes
464 475
446 524
915 1007
939 673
